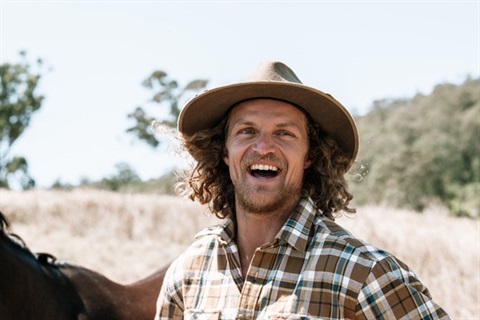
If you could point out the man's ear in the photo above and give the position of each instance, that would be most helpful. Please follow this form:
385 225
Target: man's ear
225 156
308 161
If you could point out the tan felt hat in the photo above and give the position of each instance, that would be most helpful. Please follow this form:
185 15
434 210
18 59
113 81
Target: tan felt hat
273 80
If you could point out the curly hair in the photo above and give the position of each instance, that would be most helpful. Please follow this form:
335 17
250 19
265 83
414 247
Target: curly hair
209 180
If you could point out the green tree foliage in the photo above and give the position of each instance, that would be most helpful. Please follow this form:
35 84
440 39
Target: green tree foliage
125 176
125 180
167 92
18 101
424 149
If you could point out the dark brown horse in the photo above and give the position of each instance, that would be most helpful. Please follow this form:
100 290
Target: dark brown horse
37 287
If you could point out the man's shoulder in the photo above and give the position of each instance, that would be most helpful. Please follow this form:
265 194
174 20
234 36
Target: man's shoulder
208 238
222 232
330 236
202 247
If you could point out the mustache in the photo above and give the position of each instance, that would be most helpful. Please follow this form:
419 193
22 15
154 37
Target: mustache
255 157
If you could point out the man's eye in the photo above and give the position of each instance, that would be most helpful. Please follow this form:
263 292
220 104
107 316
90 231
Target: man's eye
246 131
285 134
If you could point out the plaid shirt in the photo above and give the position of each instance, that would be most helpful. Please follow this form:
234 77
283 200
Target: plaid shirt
312 269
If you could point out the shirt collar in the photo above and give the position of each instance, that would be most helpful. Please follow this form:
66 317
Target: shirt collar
296 231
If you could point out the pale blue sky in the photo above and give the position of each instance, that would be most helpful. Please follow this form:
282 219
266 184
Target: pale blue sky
101 51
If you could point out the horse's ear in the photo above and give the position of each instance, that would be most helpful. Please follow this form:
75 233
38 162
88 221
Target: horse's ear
46 258
4 224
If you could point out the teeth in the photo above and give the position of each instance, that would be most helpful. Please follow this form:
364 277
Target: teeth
263 167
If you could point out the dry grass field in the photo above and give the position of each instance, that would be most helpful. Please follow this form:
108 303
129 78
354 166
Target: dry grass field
126 237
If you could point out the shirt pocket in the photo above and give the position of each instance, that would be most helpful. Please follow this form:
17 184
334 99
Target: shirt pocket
196 314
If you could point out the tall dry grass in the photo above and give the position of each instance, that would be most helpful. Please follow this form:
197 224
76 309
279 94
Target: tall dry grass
126 237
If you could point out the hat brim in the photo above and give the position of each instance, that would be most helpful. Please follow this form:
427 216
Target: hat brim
206 109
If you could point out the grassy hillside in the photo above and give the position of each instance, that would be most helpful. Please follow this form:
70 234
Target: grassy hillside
422 149
126 237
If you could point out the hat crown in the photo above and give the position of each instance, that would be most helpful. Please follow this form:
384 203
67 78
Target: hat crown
272 80
274 71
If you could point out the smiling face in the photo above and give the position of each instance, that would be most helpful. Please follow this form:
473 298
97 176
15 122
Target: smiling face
267 154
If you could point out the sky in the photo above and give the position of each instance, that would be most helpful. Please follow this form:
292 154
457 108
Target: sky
96 55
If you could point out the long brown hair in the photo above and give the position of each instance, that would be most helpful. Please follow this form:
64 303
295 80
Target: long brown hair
209 180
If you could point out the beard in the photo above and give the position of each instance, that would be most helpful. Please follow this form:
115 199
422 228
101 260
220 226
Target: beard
249 201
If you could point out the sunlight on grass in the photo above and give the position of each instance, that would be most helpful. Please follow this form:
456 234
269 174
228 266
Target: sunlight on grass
127 236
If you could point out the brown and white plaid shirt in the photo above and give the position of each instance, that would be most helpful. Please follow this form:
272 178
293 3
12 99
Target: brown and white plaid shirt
314 269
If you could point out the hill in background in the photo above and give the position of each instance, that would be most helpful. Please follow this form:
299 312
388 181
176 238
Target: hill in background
413 152
421 150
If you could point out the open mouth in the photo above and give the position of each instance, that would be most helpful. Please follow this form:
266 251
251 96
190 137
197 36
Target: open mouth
263 171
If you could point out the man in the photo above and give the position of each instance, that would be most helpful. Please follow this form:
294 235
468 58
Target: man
271 158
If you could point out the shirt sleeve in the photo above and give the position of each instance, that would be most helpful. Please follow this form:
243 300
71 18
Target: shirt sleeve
170 299
393 291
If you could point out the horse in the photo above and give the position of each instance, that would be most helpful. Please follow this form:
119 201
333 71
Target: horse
37 286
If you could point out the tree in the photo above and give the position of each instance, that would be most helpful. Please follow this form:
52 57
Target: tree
166 92
124 177
426 148
18 101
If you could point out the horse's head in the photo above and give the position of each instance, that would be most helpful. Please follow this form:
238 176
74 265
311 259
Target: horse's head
23 277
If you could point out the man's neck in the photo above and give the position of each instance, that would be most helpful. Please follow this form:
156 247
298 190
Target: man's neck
254 230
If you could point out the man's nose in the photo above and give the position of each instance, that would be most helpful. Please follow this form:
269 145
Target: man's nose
264 144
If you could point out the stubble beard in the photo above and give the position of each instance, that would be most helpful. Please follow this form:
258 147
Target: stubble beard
283 198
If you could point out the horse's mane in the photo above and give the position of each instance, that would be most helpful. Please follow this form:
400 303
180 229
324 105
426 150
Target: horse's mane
43 258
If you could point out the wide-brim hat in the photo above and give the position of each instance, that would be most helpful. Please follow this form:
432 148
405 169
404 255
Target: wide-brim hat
272 80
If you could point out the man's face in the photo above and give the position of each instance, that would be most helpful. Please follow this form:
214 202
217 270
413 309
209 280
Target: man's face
267 153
